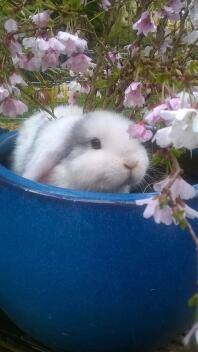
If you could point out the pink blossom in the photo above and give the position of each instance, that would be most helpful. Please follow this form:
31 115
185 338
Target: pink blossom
55 44
133 96
173 103
179 188
4 93
115 58
169 104
138 130
10 25
41 19
75 86
50 59
190 212
78 63
15 48
154 115
11 107
17 79
73 44
105 4
29 42
144 24
160 214
27 63
171 10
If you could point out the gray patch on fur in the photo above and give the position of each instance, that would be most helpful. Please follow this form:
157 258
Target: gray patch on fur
78 140
31 148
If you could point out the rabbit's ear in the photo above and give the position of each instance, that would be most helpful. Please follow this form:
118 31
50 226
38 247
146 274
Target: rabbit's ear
41 164
54 145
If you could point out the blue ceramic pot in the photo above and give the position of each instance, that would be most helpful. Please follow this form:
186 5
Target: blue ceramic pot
84 272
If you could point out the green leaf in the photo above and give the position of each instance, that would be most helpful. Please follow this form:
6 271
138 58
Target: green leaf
101 84
193 301
193 67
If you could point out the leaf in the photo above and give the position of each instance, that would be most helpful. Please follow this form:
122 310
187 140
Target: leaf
101 84
193 67
193 301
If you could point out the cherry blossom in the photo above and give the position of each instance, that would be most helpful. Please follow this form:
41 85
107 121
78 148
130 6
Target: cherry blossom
78 63
11 107
50 59
4 93
105 4
184 129
15 48
172 10
179 188
41 19
133 96
10 25
161 214
75 86
190 212
73 44
139 131
169 103
17 79
29 63
154 115
162 137
144 24
115 58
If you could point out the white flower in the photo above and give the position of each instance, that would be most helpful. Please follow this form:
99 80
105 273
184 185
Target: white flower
160 214
73 44
162 137
4 93
41 19
190 212
183 131
179 188
17 79
10 25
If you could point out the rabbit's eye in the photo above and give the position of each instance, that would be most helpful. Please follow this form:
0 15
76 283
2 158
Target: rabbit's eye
95 143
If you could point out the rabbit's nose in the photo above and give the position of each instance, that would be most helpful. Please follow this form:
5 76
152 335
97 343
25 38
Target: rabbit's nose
130 165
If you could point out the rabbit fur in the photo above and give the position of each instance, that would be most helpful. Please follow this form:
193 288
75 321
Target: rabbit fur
90 152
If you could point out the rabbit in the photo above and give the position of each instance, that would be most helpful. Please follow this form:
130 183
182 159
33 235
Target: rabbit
91 152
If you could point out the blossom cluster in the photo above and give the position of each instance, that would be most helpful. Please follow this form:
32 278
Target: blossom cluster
10 105
43 50
168 207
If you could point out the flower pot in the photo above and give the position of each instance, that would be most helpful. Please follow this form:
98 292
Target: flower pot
85 272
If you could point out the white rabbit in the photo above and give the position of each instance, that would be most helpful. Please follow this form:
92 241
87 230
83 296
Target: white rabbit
88 152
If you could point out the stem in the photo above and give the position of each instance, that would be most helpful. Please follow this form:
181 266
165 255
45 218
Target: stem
38 103
90 97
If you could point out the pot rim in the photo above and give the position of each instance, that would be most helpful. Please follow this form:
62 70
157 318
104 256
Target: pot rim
9 178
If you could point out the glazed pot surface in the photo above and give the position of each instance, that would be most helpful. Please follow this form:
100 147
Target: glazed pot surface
84 272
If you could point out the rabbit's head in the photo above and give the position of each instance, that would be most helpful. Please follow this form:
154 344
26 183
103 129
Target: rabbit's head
100 155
